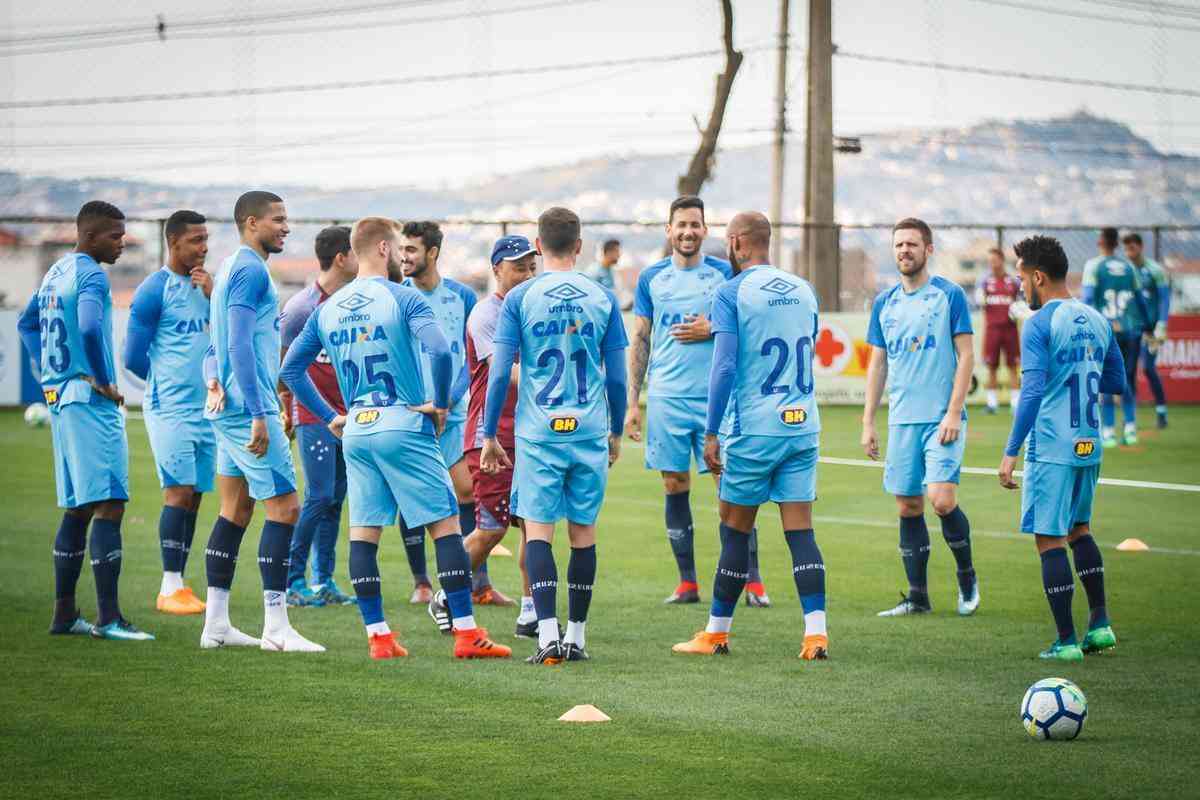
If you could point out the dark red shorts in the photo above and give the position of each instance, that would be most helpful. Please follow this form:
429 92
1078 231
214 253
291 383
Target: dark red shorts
491 492
1001 337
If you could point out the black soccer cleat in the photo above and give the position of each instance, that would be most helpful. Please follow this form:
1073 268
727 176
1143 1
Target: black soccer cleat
439 612
574 652
527 630
682 596
549 655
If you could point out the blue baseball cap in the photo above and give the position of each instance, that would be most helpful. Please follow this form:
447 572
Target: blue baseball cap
510 248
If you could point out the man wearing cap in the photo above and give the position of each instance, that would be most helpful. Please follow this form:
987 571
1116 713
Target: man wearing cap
513 262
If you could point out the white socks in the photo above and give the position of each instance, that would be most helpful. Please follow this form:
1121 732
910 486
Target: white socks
527 614
992 402
275 618
466 623
216 612
378 628
172 582
547 631
719 624
1014 397
575 633
814 623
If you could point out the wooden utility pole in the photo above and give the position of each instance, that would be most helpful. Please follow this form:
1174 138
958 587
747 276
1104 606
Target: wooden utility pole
821 237
700 167
780 139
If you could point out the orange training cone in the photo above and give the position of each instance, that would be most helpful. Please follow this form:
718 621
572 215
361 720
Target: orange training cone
501 550
585 713
1133 546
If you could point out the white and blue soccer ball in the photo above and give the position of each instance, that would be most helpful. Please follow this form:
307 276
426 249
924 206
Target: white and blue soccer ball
1054 708
37 415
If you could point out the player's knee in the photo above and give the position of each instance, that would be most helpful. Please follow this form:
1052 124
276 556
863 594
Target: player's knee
179 496
943 502
910 506
112 510
676 482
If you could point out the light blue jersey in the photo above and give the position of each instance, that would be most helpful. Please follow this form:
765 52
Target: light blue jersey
774 316
63 359
562 324
452 303
243 280
917 330
169 317
666 295
369 329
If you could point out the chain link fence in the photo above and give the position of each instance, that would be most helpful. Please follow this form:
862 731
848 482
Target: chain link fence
29 245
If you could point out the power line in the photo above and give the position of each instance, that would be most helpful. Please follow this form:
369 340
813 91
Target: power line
1170 9
205 94
1027 76
1062 12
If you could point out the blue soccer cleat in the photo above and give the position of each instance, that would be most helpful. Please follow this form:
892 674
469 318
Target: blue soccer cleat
329 594
298 594
121 630
76 627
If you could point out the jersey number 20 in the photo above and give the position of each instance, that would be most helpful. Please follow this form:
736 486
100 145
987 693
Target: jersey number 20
783 354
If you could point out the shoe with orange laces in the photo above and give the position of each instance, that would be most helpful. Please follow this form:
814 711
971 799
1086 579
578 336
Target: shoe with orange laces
421 595
384 645
474 643
181 602
705 644
490 596
815 647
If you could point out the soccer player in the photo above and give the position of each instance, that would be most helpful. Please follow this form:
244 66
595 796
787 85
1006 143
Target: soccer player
997 293
1156 289
672 336
320 451
1111 286
514 261
571 340
602 271
165 346
1071 357
762 403
254 456
68 326
920 337
375 332
452 303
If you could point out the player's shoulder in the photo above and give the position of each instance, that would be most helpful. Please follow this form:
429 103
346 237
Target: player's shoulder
88 273
152 284
460 289
653 271
536 285
305 300
949 287
484 313
882 298
720 265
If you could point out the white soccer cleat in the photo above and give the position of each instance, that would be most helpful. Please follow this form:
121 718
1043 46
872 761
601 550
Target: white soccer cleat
228 637
288 641
968 605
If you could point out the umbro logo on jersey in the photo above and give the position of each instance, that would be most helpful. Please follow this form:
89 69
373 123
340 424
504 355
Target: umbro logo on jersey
778 286
354 302
565 292
1081 320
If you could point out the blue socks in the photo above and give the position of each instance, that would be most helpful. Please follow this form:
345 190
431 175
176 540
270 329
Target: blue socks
414 548
732 571
273 548
681 535
172 523
466 518
581 574
1089 566
543 578
956 530
454 575
1059 584
70 544
106 566
914 552
220 556
752 569
1108 411
808 569
189 535
364 577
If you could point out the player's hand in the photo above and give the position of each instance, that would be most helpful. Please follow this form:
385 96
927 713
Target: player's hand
214 401
870 442
712 455
111 392
633 422
492 457
285 415
614 448
694 328
203 280
1007 465
436 415
337 425
1160 331
950 428
260 438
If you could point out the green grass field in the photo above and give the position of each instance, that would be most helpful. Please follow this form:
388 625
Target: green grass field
923 707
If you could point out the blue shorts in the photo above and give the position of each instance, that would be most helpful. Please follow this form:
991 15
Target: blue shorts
392 472
782 469
185 450
451 444
91 456
270 476
556 480
675 433
1057 497
916 458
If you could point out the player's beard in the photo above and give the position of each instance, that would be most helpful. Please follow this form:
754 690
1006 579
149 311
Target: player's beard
394 270
1034 299
733 261
912 267
687 249
269 246
418 268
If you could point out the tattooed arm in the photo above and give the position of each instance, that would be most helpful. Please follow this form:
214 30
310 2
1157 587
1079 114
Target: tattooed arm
639 360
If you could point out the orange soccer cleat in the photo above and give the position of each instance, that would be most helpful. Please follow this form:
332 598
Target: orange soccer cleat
815 647
384 645
490 596
474 643
181 602
705 644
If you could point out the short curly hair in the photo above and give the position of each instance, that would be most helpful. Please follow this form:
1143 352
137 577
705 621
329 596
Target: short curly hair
428 232
1043 253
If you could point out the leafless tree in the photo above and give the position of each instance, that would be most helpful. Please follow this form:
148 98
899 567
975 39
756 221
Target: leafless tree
700 168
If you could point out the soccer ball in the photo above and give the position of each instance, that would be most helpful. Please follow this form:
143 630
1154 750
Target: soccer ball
37 415
1053 708
1018 311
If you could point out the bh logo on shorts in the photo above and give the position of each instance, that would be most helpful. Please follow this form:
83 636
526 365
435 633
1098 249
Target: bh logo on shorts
564 424
1085 447
793 416
367 417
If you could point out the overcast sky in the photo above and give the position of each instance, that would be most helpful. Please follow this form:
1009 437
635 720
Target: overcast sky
461 131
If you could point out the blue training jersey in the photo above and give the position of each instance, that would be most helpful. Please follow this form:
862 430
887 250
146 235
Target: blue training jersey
170 316
243 280
562 323
452 303
666 295
917 330
1068 341
369 330
774 316
64 361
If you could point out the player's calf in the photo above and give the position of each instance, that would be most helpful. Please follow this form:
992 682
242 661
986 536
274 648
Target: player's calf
728 583
454 571
808 570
